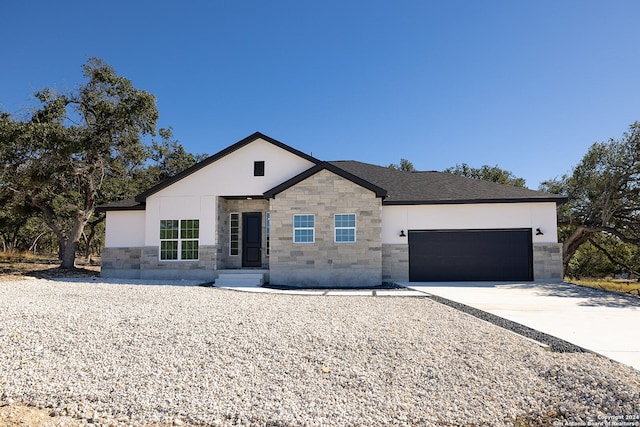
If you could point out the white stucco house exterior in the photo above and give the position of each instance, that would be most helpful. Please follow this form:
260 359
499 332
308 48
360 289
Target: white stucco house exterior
264 207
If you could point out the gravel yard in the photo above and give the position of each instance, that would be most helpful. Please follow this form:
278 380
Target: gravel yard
115 354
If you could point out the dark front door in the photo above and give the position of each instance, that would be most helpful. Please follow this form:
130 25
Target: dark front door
252 239
453 255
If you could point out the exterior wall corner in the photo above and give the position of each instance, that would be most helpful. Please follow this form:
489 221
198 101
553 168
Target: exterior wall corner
547 262
395 263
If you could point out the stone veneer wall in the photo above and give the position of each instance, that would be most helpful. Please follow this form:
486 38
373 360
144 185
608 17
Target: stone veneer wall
547 262
395 263
144 263
324 262
120 262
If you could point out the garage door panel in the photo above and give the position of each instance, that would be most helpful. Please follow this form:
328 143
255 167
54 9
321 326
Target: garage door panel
459 255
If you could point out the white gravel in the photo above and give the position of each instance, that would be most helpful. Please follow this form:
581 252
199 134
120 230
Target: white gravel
113 354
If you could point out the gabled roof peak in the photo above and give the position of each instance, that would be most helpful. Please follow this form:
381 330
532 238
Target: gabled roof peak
211 159
380 192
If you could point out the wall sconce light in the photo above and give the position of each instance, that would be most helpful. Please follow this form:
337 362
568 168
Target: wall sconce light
539 232
402 233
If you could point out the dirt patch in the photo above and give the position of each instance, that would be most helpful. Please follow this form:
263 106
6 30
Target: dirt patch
18 415
20 267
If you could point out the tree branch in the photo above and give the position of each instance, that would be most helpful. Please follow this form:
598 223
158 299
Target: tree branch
612 259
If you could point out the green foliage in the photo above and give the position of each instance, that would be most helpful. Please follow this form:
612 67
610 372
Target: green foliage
591 263
168 158
487 173
73 146
603 194
77 150
404 165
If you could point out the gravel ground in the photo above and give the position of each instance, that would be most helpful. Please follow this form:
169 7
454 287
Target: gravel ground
554 343
114 354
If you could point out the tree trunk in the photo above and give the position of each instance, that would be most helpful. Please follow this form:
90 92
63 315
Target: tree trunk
571 245
63 242
69 256
88 238
87 248
34 245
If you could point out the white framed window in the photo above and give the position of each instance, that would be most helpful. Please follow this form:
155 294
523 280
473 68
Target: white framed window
268 230
345 228
234 234
179 239
304 229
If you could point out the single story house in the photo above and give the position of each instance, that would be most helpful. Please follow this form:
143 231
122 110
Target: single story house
261 206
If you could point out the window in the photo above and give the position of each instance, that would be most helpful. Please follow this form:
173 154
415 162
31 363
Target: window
345 228
234 234
303 229
169 239
258 168
268 223
189 235
179 239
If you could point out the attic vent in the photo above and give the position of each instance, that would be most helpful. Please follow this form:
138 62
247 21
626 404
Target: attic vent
258 168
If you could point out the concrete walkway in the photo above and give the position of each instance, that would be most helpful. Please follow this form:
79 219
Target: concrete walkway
401 292
603 322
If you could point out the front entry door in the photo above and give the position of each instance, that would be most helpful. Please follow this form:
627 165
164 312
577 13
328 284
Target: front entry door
252 239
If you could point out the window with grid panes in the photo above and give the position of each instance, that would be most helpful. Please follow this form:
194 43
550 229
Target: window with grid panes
234 234
179 239
303 228
345 228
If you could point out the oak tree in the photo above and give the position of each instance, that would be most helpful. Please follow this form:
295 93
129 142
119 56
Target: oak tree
487 173
603 193
59 158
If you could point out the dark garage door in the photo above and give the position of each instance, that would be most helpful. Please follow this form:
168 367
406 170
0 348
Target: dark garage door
459 255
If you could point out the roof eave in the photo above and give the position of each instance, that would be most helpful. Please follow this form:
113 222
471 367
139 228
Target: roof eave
557 200
107 208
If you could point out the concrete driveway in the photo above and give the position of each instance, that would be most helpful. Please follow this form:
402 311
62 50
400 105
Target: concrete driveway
603 322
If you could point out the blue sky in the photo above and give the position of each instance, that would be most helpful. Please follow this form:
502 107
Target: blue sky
525 85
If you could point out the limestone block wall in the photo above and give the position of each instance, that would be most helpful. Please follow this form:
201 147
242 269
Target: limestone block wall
325 262
121 262
144 263
547 262
395 263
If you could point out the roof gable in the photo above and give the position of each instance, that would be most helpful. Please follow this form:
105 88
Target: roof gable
380 192
219 155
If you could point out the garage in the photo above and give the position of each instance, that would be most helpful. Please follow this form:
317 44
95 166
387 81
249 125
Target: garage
470 255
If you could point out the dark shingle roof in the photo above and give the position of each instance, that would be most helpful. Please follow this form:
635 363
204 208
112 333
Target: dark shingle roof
122 205
394 186
405 188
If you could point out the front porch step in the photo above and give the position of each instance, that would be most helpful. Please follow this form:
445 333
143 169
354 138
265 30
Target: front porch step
240 279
